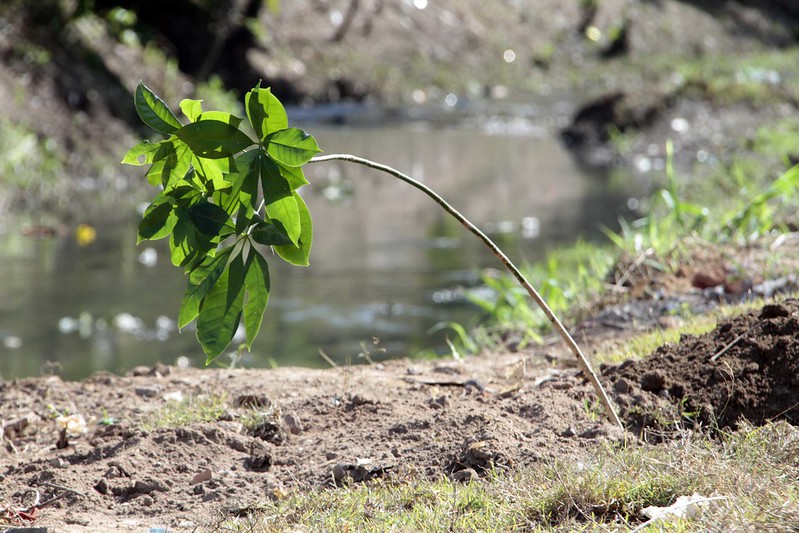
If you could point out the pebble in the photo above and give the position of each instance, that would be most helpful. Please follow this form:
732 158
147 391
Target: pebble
58 462
292 423
148 391
464 476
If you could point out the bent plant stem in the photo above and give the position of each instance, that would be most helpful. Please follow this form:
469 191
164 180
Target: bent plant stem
581 359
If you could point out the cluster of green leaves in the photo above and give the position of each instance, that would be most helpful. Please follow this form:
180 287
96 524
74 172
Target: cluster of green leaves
222 194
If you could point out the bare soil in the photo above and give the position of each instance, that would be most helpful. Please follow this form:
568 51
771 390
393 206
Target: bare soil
327 428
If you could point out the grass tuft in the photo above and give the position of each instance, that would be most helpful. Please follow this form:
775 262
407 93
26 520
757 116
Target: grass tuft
190 410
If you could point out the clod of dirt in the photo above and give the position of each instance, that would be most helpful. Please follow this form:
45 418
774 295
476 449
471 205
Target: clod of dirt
745 369
464 476
480 456
270 431
653 381
345 473
260 460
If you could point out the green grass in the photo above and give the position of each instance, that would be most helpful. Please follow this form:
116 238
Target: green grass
753 470
190 410
640 346
571 278
568 280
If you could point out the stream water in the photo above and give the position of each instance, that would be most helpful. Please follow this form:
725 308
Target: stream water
384 263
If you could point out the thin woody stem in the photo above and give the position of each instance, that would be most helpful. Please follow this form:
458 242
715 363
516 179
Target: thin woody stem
581 359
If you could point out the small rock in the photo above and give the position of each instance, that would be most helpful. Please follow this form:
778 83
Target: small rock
358 400
270 431
711 277
260 460
774 311
147 391
439 402
447 369
330 455
340 472
139 371
594 432
101 486
205 475
292 423
57 462
464 476
149 485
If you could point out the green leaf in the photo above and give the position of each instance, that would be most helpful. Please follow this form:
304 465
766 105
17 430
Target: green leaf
286 211
298 255
201 280
153 111
158 220
274 185
170 163
182 240
213 139
270 233
292 146
294 175
208 218
221 116
244 186
206 169
221 309
219 184
265 112
280 203
141 154
257 283
189 247
191 108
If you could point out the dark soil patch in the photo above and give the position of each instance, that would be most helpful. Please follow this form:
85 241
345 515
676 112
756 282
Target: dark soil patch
746 368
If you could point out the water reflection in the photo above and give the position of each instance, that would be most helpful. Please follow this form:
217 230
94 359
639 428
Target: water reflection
386 261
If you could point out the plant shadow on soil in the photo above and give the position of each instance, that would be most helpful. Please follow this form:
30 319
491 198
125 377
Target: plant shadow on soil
297 429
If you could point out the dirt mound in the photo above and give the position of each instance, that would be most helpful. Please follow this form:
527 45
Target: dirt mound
746 368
